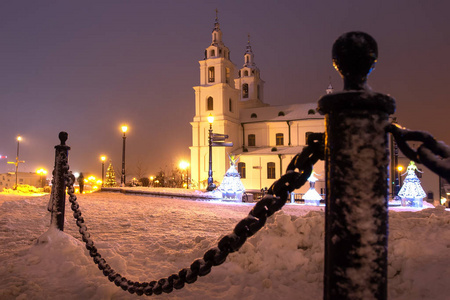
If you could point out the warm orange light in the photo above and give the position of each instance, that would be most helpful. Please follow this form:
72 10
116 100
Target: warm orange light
124 128
210 119
400 168
41 171
103 158
19 138
184 165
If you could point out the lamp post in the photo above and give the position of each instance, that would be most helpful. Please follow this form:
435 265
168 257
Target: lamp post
16 163
103 158
122 178
42 173
211 185
184 165
399 169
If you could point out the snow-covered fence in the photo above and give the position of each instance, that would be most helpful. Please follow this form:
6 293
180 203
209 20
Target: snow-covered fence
356 158
354 147
57 201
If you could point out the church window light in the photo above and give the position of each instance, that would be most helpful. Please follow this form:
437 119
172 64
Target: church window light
270 170
253 116
251 140
211 74
210 103
230 105
241 169
279 139
245 73
245 90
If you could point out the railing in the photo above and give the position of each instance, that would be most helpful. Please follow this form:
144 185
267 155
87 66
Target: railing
354 148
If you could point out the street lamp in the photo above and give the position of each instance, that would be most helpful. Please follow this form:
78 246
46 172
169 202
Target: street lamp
184 165
400 169
122 179
151 181
211 185
16 163
42 173
103 158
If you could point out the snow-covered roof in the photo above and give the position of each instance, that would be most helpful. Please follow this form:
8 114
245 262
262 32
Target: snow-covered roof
280 113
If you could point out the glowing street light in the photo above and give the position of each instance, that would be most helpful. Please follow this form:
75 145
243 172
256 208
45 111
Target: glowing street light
151 180
122 178
42 173
184 165
103 158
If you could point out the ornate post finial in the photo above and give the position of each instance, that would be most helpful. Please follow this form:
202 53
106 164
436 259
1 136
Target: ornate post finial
63 137
354 56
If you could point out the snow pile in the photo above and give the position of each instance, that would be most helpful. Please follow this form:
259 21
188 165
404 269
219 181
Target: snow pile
145 238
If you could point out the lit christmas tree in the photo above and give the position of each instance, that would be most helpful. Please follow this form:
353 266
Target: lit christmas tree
411 191
110 176
312 197
231 186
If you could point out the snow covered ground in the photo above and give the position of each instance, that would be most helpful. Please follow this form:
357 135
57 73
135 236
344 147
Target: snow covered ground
145 238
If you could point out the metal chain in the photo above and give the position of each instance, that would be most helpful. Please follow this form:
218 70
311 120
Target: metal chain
433 154
298 172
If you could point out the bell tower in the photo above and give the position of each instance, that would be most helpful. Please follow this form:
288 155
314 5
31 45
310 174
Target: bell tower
249 82
216 96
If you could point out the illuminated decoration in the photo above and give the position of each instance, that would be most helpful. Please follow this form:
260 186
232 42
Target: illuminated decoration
312 197
411 192
231 186
110 177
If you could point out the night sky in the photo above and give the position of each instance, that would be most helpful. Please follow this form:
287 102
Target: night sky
87 67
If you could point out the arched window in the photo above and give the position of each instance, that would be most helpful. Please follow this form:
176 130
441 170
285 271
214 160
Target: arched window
211 74
230 105
245 73
246 59
251 140
279 139
241 169
210 103
270 170
253 116
245 90
212 53
257 91
227 75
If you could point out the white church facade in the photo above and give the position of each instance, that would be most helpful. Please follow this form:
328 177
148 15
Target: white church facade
266 137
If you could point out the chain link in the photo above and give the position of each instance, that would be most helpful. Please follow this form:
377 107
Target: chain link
431 153
297 174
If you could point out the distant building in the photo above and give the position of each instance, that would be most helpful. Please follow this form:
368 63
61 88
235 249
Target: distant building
8 180
266 137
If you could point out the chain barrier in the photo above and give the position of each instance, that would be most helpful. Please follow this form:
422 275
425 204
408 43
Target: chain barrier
431 153
297 174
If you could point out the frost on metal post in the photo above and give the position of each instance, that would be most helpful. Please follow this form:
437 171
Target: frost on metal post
356 158
58 194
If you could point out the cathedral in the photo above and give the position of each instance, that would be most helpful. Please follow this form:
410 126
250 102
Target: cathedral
265 137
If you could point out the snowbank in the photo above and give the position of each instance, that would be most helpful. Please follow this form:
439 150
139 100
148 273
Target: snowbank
145 238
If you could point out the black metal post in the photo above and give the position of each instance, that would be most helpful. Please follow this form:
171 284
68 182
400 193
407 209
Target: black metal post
122 178
17 160
211 185
356 161
58 196
103 172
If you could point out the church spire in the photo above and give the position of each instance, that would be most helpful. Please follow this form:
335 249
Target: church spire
249 56
216 33
329 89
